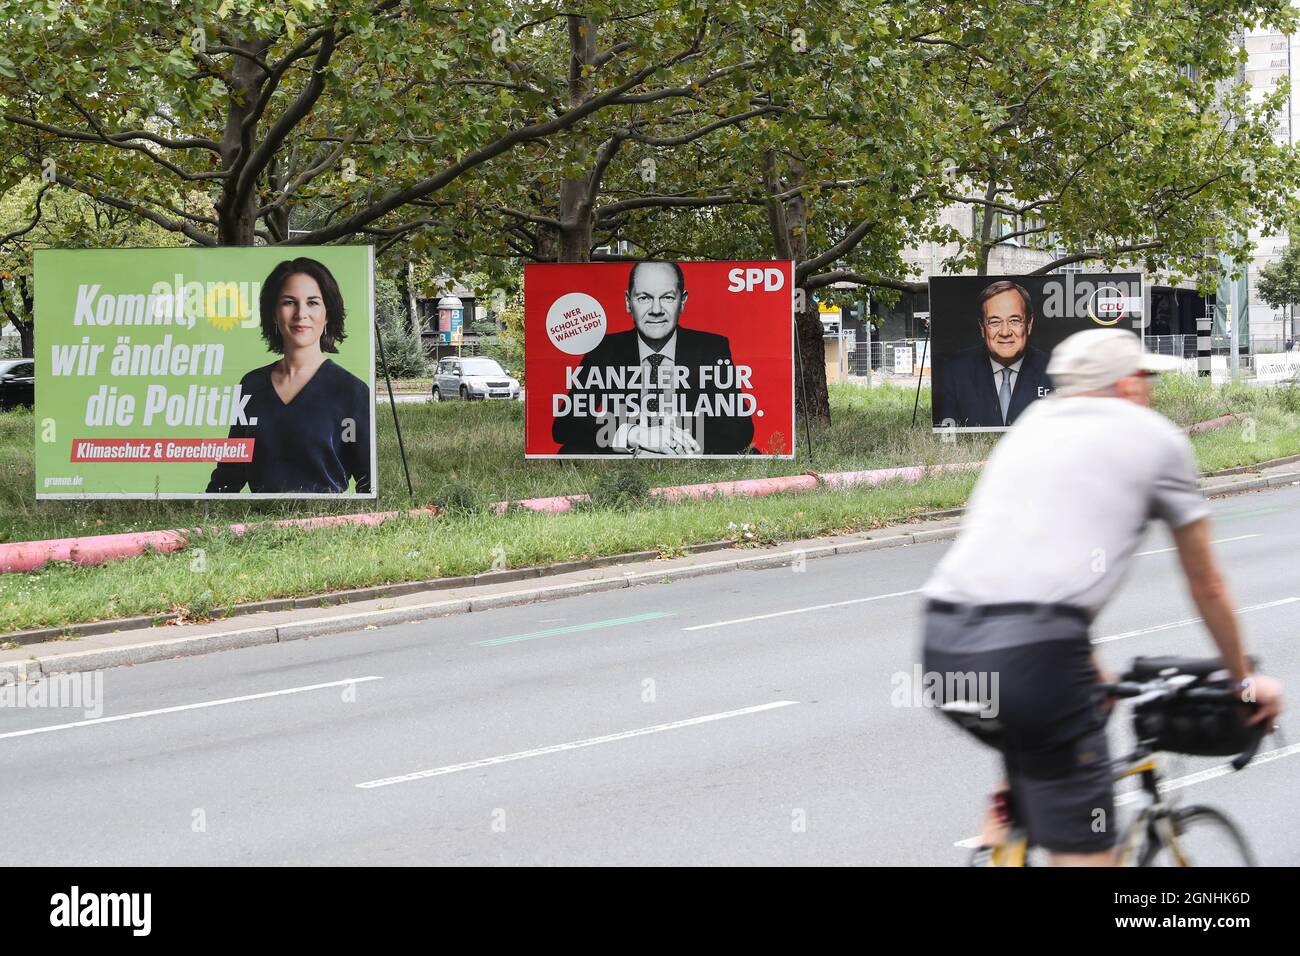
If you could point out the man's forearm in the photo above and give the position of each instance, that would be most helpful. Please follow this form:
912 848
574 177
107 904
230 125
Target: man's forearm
1210 593
1215 605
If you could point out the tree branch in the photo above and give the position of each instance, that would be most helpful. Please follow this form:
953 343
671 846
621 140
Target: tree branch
673 202
171 225
502 144
139 147
36 218
703 130
1095 254
529 217
292 116
115 139
689 90
845 275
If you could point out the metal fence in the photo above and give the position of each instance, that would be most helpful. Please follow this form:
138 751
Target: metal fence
891 359
901 357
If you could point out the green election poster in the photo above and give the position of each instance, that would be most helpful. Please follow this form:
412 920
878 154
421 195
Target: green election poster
205 373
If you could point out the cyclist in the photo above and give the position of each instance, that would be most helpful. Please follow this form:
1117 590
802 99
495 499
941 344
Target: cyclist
1047 535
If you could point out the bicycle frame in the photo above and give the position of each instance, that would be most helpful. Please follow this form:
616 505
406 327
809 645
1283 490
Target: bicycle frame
1156 824
1152 816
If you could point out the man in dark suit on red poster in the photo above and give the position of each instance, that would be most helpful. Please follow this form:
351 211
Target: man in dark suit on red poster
658 389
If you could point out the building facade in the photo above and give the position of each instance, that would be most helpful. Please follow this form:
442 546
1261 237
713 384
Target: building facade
1270 59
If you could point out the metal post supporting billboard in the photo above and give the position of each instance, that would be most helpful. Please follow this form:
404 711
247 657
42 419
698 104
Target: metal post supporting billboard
803 387
917 404
840 343
1233 359
401 448
866 326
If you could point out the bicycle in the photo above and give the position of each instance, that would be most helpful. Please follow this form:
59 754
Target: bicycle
1159 834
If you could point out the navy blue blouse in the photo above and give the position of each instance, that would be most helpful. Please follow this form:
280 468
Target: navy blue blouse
315 443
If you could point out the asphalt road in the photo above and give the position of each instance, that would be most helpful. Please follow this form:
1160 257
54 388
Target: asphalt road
743 718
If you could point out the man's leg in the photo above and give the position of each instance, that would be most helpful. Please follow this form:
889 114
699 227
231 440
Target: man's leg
996 828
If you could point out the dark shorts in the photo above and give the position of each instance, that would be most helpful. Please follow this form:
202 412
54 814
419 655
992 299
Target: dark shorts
1034 675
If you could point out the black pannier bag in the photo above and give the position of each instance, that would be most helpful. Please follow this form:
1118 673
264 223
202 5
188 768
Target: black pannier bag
1188 725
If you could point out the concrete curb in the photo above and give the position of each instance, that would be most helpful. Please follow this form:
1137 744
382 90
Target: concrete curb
1253 484
351 596
24 556
185 646
1249 469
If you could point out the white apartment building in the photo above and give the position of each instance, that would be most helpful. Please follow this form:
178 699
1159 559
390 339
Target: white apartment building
1270 59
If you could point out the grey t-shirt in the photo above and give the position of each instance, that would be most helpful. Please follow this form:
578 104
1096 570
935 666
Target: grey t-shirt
1063 501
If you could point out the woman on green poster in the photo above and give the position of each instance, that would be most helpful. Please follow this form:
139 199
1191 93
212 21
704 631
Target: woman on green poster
309 417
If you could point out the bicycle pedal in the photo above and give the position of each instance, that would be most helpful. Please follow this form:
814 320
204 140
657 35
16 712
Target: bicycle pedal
982 856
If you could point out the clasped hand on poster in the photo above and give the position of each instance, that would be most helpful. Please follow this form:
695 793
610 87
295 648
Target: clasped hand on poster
661 440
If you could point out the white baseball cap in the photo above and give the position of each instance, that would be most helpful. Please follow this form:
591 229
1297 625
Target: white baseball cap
1098 358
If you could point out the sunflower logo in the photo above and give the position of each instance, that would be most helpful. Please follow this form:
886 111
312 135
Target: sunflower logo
226 305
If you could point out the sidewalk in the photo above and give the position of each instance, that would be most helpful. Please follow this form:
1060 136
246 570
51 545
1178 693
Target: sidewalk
291 619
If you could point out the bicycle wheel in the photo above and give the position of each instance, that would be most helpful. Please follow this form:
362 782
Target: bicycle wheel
1202 836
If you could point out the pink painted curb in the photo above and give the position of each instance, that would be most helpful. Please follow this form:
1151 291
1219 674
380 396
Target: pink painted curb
755 487
1209 426
24 556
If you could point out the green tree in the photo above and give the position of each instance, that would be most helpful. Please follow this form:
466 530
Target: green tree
310 121
507 346
1112 130
34 216
403 348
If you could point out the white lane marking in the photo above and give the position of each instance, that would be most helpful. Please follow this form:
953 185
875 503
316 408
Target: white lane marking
571 745
1240 537
801 610
1191 620
173 710
1210 773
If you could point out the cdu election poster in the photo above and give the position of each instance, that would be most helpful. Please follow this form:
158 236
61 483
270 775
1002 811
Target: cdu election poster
205 373
991 338
659 359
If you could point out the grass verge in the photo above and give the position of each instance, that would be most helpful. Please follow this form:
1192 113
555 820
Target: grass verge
468 455
475 450
222 570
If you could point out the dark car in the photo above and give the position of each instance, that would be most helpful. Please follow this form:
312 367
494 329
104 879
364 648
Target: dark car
17 382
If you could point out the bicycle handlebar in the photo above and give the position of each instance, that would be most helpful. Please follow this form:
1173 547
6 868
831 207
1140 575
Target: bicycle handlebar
1247 755
1217 694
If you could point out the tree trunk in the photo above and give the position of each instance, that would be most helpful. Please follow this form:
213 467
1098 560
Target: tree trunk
811 394
576 222
810 365
986 231
573 244
16 305
237 225
412 306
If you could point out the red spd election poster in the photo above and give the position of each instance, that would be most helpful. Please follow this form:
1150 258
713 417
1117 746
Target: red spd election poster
659 359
